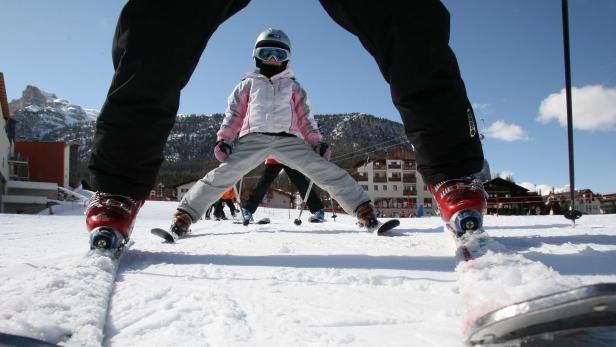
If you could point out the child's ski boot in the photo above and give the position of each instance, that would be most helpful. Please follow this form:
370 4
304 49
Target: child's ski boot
317 217
462 203
366 217
110 219
180 225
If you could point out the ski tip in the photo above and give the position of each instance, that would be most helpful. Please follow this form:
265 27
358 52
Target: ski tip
163 234
387 226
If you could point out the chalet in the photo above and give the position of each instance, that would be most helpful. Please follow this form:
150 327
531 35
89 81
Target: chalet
508 198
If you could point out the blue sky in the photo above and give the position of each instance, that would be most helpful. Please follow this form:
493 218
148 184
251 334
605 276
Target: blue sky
510 54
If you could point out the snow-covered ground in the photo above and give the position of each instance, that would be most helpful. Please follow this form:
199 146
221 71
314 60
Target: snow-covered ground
286 285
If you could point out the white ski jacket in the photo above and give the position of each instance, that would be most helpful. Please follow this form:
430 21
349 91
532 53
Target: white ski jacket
275 105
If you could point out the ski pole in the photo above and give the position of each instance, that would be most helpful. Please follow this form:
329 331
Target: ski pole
239 197
572 214
298 220
333 210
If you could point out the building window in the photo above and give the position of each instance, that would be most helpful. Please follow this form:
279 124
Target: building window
395 188
376 188
384 188
365 187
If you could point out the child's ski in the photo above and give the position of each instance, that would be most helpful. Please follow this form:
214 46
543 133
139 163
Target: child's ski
165 234
260 221
382 229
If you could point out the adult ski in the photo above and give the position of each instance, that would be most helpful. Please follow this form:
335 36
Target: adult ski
12 340
67 301
569 317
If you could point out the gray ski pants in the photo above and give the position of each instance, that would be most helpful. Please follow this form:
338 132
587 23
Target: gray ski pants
251 151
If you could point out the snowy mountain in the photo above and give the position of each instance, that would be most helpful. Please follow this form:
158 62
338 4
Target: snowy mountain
38 112
280 284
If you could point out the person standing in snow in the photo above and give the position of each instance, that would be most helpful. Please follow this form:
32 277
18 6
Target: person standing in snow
158 45
272 169
271 113
229 199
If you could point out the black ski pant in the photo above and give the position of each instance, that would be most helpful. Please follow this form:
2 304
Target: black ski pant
209 211
269 175
219 206
157 46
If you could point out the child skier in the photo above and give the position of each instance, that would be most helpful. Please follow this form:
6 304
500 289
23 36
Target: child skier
271 112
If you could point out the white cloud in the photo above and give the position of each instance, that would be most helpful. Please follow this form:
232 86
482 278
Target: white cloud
544 189
506 132
505 174
594 108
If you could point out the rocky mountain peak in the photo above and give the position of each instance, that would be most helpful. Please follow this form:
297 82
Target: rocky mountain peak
38 112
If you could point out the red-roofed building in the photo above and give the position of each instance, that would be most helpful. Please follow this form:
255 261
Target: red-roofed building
51 162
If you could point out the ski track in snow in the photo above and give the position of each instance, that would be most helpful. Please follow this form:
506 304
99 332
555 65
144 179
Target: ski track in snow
279 284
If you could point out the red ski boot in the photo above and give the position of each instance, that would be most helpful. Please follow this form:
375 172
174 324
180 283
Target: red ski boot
462 203
110 219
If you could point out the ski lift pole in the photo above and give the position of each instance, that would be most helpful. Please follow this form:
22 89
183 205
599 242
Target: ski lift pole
572 214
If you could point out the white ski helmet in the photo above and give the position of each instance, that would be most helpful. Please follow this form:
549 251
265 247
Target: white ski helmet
272 38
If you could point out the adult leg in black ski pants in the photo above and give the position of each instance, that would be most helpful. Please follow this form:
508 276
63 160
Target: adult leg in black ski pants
156 47
410 42
158 44
269 175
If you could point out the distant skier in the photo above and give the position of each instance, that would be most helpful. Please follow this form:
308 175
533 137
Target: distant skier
228 198
157 47
272 169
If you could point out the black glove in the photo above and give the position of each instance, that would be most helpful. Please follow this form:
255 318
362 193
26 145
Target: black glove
321 148
224 147
222 150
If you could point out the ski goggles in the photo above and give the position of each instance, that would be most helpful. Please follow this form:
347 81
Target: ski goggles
277 53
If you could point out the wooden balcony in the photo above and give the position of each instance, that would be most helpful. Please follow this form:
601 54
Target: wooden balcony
407 179
379 179
394 166
409 167
409 192
394 179
361 178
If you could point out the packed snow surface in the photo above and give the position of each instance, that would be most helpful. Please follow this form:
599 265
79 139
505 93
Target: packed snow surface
326 284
